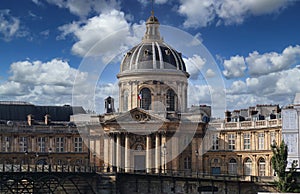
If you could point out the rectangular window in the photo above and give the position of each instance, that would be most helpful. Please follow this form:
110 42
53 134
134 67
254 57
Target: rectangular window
261 141
41 144
215 142
6 144
272 137
231 141
78 144
59 144
23 144
247 141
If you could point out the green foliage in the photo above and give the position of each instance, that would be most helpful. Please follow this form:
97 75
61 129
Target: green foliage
286 179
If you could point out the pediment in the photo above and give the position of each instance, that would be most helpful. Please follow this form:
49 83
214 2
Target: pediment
137 115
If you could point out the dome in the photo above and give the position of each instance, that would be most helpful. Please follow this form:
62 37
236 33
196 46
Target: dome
152 53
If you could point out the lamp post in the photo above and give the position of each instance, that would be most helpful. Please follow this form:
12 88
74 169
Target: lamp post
49 156
197 155
26 159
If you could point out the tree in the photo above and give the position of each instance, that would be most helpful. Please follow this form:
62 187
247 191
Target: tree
286 179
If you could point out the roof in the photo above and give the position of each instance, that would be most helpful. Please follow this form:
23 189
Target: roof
19 112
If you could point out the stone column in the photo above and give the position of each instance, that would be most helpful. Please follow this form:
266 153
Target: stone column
148 154
253 141
118 153
127 154
112 153
106 154
238 141
175 152
157 153
164 153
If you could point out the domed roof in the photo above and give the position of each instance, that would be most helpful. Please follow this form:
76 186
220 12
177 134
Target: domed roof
152 53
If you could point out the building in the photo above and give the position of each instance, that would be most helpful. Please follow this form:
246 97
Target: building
241 144
154 130
291 130
40 135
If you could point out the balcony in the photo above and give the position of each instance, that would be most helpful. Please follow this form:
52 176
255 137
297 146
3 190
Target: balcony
247 124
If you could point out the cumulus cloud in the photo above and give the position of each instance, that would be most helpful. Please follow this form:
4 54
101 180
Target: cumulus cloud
105 34
206 12
41 82
234 67
85 7
260 64
9 25
210 73
194 65
256 64
277 87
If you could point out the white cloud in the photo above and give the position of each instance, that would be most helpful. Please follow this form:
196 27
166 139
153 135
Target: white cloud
194 65
234 67
276 87
9 25
260 64
105 34
210 73
42 82
84 7
203 13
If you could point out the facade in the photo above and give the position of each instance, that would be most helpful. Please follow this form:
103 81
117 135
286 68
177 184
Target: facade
154 131
241 145
291 130
26 139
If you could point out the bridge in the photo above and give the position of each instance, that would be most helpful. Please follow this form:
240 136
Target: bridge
50 179
66 179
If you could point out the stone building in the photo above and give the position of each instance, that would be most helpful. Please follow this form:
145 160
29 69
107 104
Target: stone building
291 130
241 144
37 135
154 130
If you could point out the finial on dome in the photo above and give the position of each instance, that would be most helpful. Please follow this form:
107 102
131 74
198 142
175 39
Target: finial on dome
152 10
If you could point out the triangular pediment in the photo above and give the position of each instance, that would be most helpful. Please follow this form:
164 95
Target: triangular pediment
137 115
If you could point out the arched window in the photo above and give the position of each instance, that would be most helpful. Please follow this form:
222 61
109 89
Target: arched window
125 100
170 100
261 167
232 166
248 167
187 163
145 99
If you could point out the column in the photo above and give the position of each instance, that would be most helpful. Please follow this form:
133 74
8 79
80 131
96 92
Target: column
118 153
148 154
34 148
157 153
69 144
253 142
127 154
175 152
106 154
112 153
238 141
97 150
164 153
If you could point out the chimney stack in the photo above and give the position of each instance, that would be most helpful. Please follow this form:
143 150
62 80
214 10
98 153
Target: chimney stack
30 119
47 119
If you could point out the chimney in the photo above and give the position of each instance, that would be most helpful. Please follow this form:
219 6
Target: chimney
30 119
227 116
47 119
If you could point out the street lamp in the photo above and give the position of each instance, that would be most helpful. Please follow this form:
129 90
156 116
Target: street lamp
197 155
164 155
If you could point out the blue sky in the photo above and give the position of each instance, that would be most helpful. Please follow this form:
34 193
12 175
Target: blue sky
46 45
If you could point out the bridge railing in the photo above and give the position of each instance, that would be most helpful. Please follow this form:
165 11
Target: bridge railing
46 168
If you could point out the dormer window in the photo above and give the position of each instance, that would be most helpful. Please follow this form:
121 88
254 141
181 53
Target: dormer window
168 52
146 52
